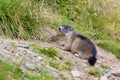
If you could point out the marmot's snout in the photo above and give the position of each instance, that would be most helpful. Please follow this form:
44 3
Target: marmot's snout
61 29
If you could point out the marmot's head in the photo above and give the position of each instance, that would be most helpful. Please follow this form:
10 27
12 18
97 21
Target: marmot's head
66 30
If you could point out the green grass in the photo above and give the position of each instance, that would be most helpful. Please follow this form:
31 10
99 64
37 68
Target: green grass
44 75
61 66
105 66
22 19
9 72
112 46
95 71
49 52
55 64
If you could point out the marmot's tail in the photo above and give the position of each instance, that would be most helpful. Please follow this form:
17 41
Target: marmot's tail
92 60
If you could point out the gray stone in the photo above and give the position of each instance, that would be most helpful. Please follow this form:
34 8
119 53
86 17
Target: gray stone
23 70
77 73
52 68
17 55
30 65
30 52
25 78
103 78
108 74
84 65
24 46
115 72
39 58
77 79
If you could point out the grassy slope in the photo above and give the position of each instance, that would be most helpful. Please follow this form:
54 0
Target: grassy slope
25 19
9 72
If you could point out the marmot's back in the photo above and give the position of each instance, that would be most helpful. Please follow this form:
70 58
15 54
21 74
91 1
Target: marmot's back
86 45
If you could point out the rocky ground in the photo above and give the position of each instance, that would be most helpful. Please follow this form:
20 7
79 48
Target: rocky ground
21 54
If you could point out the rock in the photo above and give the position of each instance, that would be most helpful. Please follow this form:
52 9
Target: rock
104 78
52 68
23 70
24 46
25 78
77 73
115 72
39 57
108 74
17 55
30 66
77 79
84 65
30 52
112 78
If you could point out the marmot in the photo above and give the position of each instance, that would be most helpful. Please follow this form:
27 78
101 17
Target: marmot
80 45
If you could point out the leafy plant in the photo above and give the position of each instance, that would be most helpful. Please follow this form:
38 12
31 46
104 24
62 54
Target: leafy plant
95 71
50 52
111 46
105 66
55 65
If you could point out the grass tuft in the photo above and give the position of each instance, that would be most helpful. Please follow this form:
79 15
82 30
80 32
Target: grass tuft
49 52
95 71
9 71
111 46
105 66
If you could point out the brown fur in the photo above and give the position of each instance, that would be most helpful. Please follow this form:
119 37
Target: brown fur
79 45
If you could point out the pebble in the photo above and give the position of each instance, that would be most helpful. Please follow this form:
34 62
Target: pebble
115 72
107 74
30 65
103 78
77 79
24 46
52 68
30 52
17 55
84 65
77 73
39 57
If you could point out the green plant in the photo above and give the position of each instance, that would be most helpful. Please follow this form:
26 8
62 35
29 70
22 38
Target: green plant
35 48
44 75
105 66
67 65
50 52
95 71
63 66
111 46
9 71
61 57
55 64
